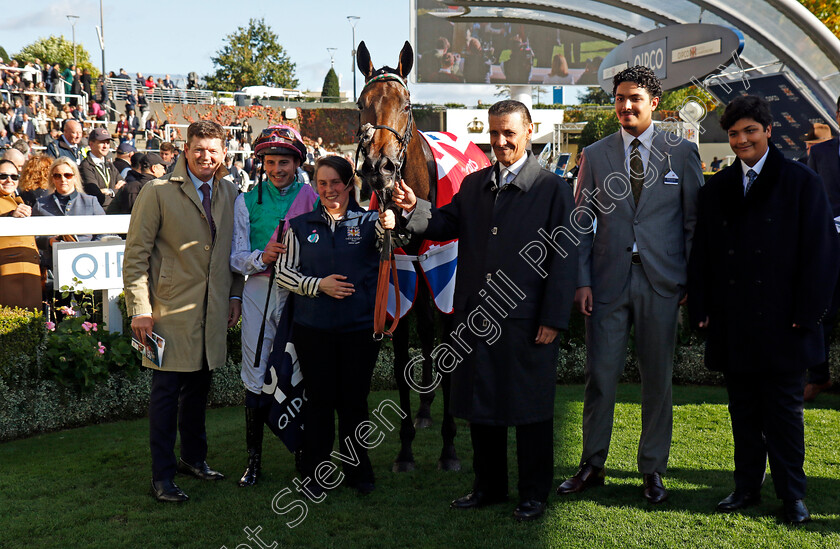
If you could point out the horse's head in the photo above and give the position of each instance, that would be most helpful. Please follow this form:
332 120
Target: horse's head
386 123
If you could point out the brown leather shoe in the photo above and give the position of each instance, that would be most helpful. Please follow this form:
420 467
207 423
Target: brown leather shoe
655 491
586 477
814 389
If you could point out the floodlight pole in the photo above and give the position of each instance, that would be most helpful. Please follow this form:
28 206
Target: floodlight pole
73 19
332 51
102 36
353 19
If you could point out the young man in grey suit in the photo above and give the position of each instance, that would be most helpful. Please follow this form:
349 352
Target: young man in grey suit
640 184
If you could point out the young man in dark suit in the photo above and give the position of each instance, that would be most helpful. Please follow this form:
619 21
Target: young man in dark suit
824 158
761 276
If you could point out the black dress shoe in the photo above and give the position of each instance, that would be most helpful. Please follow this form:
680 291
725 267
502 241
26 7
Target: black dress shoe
199 470
795 512
586 477
476 499
655 491
167 491
737 500
529 510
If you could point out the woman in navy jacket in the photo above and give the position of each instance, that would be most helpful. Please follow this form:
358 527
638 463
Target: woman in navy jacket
331 262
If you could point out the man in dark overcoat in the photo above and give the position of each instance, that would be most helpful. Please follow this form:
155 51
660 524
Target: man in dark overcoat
761 277
514 288
824 158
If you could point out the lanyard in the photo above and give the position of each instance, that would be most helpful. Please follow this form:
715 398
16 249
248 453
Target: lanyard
106 173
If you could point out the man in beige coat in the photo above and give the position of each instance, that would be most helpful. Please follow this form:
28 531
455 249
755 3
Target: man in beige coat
178 284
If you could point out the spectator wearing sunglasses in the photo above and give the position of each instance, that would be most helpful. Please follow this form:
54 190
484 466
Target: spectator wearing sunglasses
20 276
67 198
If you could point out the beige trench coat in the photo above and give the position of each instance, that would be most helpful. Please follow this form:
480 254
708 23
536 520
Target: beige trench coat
175 271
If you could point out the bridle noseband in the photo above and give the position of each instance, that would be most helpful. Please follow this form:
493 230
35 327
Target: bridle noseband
366 132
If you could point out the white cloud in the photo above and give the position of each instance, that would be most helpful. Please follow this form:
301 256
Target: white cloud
53 16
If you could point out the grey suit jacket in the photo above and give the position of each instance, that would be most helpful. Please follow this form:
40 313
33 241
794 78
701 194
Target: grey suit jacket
661 225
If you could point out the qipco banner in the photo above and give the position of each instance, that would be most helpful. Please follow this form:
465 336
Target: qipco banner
97 264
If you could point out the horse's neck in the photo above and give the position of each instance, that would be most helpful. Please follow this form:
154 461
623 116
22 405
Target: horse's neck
416 173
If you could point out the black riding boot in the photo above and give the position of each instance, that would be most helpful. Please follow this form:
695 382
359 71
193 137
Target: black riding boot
254 420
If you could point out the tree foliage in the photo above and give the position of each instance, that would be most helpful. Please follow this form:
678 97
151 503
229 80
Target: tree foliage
4 57
57 49
330 92
594 95
601 124
827 11
252 56
674 100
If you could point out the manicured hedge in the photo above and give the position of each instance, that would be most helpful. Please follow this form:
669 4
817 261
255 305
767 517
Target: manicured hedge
31 403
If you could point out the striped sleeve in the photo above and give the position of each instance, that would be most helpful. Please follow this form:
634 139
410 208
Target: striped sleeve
288 275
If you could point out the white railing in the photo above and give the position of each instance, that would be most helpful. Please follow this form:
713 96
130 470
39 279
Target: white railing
63 97
121 87
75 224
71 224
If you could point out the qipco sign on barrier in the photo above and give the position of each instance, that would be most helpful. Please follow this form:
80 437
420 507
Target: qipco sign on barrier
97 264
677 54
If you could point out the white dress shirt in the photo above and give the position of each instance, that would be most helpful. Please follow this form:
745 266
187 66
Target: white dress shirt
509 173
757 168
646 140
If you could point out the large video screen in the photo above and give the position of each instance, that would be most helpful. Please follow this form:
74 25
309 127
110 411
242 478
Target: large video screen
501 52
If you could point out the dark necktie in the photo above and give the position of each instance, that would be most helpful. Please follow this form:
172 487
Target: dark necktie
637 170
205 201
751 175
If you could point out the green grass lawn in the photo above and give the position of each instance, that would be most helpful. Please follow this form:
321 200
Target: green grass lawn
89 487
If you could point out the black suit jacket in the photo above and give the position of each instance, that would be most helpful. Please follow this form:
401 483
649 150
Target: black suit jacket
761 263
824 159
506 379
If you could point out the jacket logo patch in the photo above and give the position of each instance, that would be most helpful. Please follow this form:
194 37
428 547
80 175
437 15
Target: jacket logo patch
354 235
313 238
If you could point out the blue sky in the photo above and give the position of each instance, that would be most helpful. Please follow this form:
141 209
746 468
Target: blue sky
176 37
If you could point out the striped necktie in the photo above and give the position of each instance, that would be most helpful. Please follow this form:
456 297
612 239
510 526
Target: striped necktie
751 176
637 170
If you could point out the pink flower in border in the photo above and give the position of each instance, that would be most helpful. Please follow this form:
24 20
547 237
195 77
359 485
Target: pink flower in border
101 348
50 325
94 326
87 326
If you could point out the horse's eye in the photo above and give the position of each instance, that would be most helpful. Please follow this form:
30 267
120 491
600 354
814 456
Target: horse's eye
407 107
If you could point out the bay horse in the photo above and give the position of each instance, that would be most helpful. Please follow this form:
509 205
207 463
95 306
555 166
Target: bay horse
391 148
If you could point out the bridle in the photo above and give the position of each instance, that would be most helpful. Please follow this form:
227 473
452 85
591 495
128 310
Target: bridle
366 131
387 264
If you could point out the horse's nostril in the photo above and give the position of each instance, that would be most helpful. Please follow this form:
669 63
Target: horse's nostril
387 166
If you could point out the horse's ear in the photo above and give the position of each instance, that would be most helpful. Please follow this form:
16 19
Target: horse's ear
406 60
363 59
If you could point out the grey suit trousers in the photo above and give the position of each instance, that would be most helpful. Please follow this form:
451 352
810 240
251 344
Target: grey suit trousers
607 331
